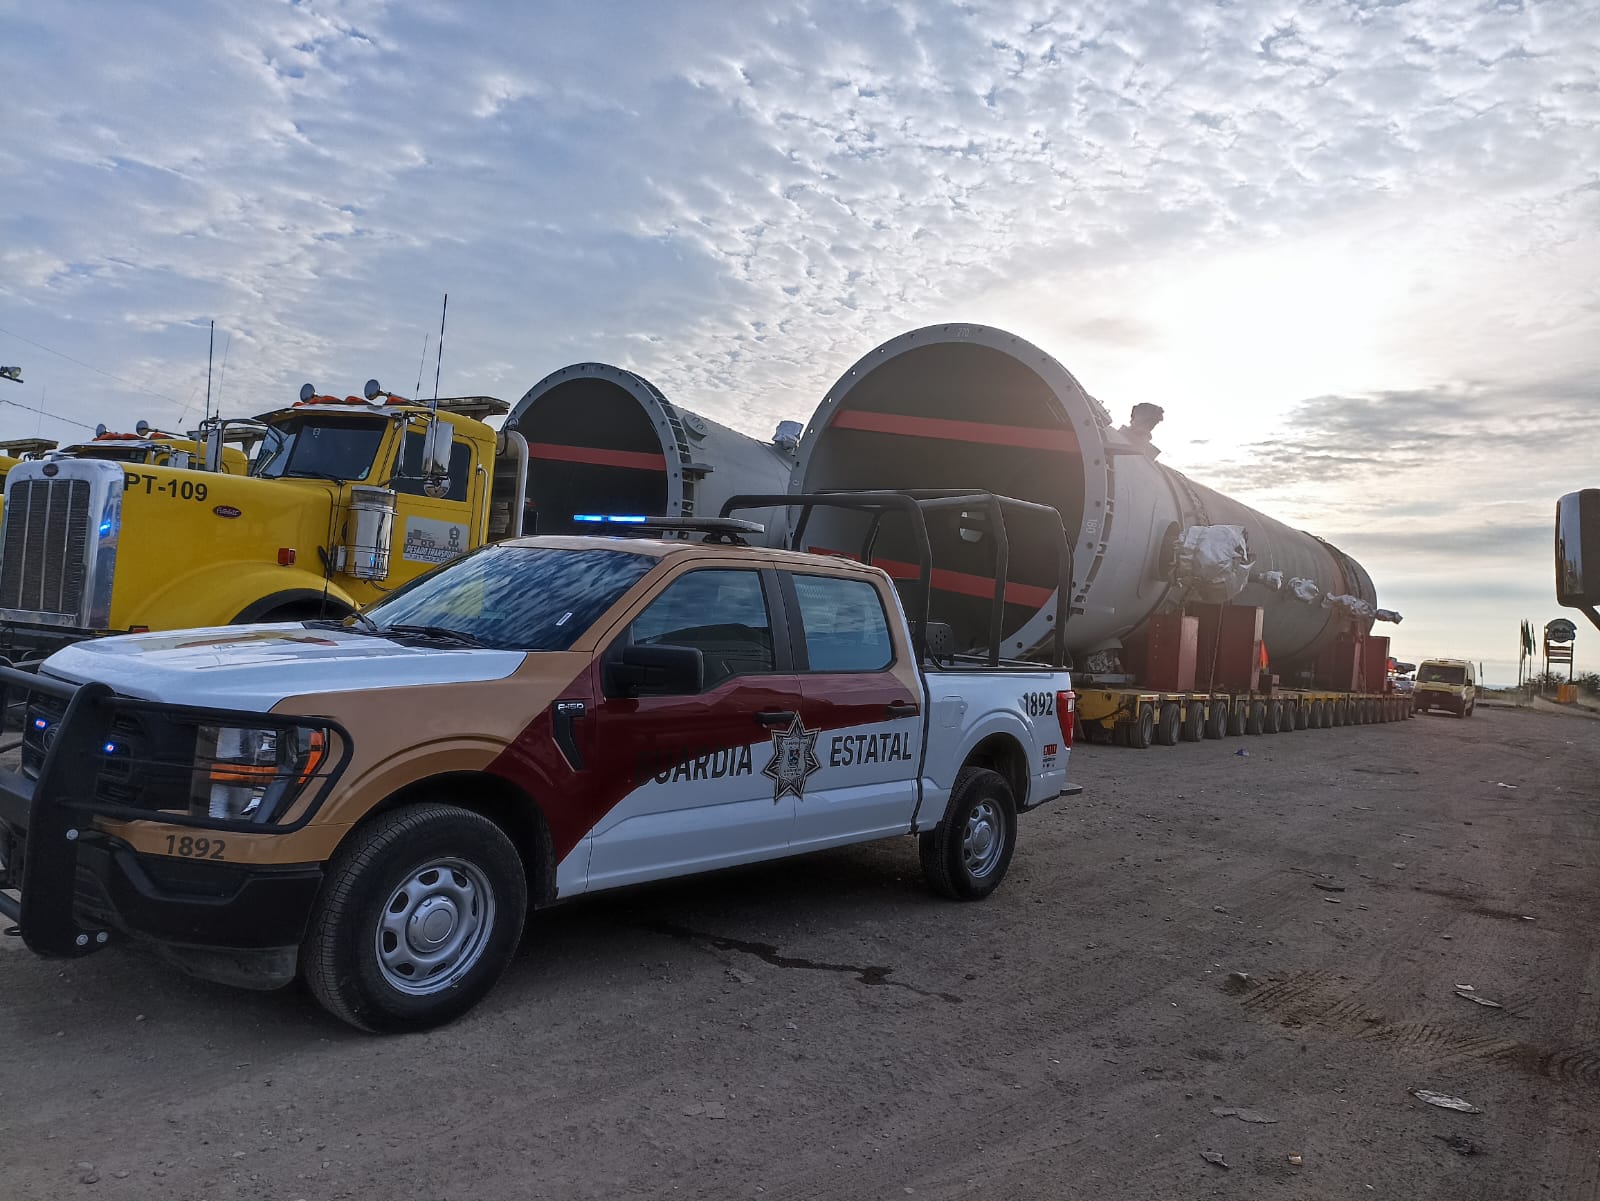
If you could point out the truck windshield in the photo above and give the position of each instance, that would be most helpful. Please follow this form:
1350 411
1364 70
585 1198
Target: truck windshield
325 447
515 597
1436 673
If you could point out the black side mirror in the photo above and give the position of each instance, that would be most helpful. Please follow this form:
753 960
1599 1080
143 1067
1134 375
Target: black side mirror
667 670
1578 551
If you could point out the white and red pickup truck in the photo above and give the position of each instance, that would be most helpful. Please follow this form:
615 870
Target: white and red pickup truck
377 803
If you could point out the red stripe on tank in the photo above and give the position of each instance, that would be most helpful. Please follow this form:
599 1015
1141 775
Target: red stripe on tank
959 582
948 430
595 456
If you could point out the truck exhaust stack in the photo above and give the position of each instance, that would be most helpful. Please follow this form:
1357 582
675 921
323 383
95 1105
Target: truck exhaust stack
958 406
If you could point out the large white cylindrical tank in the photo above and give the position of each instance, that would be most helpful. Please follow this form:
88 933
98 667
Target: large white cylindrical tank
603 440
968 406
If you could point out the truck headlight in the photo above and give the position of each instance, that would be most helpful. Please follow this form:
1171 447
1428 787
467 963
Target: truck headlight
252 774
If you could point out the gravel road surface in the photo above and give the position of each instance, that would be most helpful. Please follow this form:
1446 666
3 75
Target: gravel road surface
826 1028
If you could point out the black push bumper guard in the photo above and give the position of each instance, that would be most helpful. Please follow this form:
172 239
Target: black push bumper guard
50 815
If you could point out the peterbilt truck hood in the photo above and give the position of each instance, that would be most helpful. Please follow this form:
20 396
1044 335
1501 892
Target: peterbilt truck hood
256 667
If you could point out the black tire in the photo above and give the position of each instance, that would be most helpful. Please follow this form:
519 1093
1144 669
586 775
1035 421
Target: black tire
1302 714
1142 729
1274 723
389 861
1194 721
1216 719
981 808
1257 720
1169 726
1319 716
1238 717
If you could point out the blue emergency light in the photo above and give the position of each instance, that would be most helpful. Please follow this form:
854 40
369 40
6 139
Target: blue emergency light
609 519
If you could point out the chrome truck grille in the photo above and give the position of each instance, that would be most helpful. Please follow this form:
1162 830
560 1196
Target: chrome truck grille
58 544
44 552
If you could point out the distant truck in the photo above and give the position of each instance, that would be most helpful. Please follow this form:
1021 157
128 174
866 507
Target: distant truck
375 804
1449 685
347 499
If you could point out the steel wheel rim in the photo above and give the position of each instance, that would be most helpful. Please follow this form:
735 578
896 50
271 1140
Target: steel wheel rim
983 839
435 926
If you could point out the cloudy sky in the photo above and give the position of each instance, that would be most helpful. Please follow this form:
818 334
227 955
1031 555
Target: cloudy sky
1352 249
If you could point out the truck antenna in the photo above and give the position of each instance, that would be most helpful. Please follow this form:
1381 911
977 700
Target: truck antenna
421 361
440 359
222 374
211 350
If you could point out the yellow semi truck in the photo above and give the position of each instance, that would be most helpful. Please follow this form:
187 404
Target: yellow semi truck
347 499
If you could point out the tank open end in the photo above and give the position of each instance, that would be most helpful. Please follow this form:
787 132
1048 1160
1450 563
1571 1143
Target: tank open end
598 441
959 407
603 440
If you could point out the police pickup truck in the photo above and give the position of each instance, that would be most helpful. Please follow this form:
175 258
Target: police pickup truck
376 803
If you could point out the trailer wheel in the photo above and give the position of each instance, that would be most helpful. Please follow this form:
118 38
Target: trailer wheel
1238 717
1318 716
1194 721
1272 719
1216 719
1142 729
1302 715
966 855
418 916
1256 717
1169 725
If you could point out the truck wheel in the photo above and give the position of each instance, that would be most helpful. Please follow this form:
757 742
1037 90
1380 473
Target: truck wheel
1142 729
1238 717
1302 715
966 856
1216 719
1194 722
1169 724
1319 715
1257 720
419 915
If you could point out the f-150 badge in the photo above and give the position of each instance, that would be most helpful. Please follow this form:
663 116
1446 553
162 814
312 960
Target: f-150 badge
794 758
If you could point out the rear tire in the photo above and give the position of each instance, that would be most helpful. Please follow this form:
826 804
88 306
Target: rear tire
1169 726
1216 719
418 917
1257 721
1238 717
966 855
1194 721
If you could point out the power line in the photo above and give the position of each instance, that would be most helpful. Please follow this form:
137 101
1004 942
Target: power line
91 367
17 404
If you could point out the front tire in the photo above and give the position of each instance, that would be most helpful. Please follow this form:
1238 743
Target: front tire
966 856
419 916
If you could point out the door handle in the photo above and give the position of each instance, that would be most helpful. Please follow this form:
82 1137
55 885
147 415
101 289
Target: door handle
775 717
900 709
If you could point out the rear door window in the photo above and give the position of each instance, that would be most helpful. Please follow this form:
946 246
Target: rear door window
846 628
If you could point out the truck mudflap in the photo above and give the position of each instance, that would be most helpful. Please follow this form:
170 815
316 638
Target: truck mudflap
89 754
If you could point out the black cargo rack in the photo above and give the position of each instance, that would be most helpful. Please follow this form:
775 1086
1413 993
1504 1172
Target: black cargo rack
915 503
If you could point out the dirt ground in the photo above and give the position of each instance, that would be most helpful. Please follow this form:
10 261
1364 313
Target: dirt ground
825 1028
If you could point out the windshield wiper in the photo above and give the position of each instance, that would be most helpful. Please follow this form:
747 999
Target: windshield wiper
364 623
442 633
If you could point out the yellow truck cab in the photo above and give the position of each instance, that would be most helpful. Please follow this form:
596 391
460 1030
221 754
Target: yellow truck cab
21 450
1446 684
347 499
154 448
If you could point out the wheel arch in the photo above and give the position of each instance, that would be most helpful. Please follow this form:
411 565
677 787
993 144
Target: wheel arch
1002 752
504 803
313 603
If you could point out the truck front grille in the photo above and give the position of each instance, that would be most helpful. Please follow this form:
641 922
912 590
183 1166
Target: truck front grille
46 545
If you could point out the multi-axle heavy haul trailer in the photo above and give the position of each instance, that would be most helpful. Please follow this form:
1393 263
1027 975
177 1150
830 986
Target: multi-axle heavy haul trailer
1190 612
